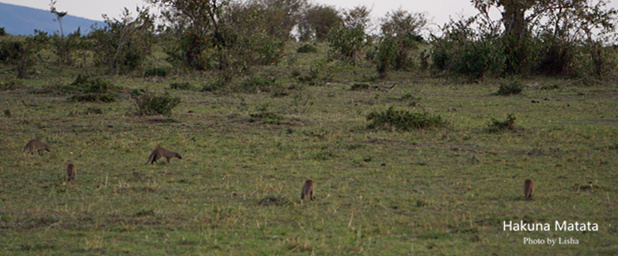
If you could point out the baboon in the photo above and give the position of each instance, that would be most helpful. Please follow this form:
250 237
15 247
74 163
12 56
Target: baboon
36 145
71 172
528 189
307 190
161 152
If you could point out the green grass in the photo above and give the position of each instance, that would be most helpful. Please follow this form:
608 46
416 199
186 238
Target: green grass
246 155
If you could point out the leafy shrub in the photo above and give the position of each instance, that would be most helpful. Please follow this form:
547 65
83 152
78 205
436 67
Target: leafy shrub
347 42
498 126
122 45
22 53
90 90
307 48
150 104
510 88
156 71
464 50
10 50
384 55
404 120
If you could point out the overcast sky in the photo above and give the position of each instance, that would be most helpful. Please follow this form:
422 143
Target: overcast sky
438 11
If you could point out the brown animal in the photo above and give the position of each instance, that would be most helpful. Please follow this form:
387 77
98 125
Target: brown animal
36 145
161 152
307 190
528 189
71 172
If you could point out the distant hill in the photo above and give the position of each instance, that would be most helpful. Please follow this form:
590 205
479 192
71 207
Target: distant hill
20 20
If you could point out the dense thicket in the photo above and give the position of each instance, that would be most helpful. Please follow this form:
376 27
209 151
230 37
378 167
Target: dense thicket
551 37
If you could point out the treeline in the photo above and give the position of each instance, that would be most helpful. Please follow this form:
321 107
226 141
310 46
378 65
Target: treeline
549 37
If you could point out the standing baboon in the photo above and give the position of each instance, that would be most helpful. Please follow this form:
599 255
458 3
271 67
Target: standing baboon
161 152
71 172
528 189
35 145
307 190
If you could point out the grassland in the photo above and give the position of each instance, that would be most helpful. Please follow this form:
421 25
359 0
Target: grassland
440 191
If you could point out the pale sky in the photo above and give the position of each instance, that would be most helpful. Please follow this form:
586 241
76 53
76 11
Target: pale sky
437 11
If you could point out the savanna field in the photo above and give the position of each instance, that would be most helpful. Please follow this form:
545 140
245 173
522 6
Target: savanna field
380 190
418 142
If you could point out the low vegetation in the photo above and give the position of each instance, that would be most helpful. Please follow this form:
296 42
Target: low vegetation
88 89
498 126
153 104
403 120
510 88
412 169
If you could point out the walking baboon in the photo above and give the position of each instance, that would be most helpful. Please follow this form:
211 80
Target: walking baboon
307 190
161 152
35 145
528 189
71 172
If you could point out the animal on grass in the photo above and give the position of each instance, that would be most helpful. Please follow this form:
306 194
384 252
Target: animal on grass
528 189
35 146
71 172
307 191
161 152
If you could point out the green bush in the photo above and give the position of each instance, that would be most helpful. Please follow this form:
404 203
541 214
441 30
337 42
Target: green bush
347 42
463 50
511 88
10 51
150 104
22 53
404 120
123 45
498 126
307 48
86 89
